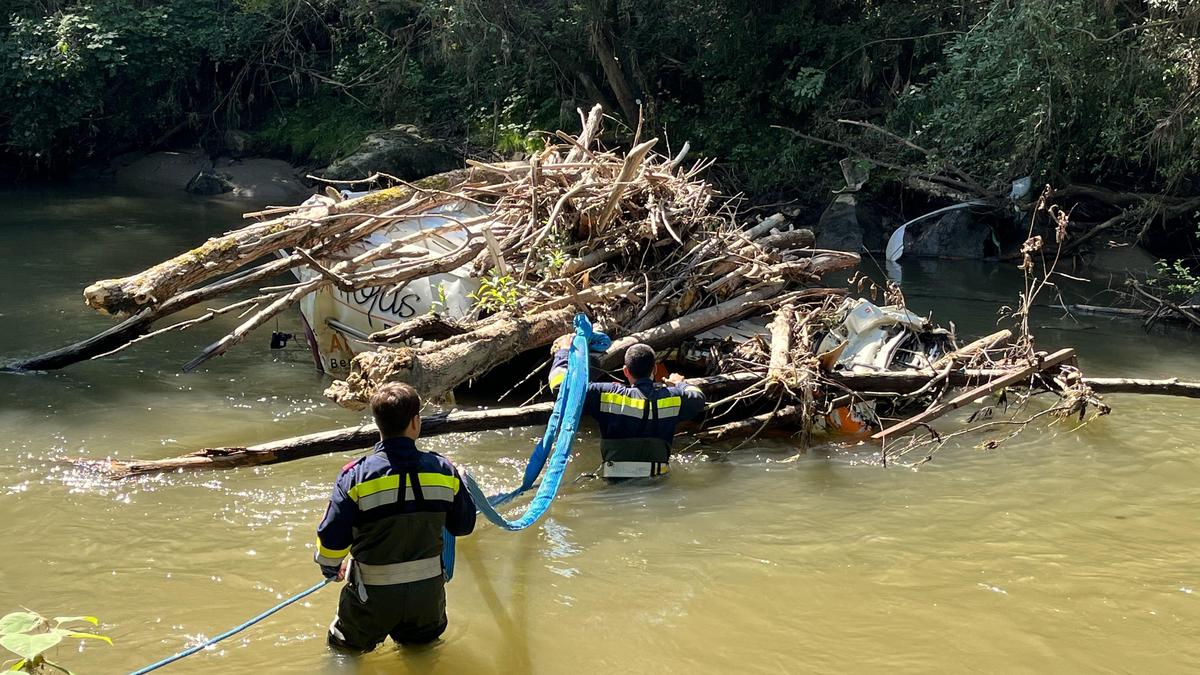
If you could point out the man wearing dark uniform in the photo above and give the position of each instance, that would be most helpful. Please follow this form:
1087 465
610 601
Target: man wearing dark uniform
637 421
387 512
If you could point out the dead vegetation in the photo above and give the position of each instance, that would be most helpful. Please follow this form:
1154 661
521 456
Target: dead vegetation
644 245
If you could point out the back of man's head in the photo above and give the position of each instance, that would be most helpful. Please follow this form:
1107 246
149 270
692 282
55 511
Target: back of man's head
639 360
394 405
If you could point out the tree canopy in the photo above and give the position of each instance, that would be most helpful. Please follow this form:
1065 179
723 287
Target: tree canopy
1068 91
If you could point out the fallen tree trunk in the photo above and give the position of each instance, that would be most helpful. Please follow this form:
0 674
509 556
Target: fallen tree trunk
1123 385
688 325
131 328
437 369
355 438
326 442
792 414
1057 358
972 349
224 254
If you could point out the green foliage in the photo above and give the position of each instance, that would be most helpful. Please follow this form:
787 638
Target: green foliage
497 293
1175 279
111 71
30 635
1033 88
1065 90
318 130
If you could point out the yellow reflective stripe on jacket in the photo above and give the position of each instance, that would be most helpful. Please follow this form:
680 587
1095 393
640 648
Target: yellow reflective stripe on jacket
630 406
438 480
622 399
426 479
557 377
330 552
329 557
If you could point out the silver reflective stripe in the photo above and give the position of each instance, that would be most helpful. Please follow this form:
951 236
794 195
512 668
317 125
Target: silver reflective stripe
665 413
618 409
434 492
328 562
384 497
399 573
631 469
381 498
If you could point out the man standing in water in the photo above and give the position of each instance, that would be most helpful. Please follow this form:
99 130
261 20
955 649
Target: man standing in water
637 422
388 510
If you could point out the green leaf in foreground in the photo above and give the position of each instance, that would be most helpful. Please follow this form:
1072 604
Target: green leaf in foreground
18 622
30 646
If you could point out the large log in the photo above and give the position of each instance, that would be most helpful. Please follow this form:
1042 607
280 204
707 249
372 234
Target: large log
1123 385
781 345
139 324
355 438
906 381
675 331
972 349
326 442
224 254
1017 375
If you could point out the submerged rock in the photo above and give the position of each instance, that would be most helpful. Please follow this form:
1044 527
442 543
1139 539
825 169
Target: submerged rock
400 151
957 234
1128 259
167 170
850 224
207 183
263 179
195 172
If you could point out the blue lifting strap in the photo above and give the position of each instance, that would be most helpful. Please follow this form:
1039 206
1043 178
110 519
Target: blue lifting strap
555 445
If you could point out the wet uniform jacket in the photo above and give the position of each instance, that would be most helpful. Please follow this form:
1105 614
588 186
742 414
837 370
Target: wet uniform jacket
637 423
388 509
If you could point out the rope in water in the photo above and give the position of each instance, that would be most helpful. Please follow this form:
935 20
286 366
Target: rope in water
554 447
233 631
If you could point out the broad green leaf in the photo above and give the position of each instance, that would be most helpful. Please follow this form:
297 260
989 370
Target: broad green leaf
29 646
90 636
18 622
68 619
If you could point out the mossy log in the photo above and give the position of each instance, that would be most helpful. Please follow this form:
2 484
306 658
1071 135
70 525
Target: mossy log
222 255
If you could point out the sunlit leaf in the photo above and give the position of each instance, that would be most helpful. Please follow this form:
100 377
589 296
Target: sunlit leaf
30 646
18 622
18 665
68 619
90 636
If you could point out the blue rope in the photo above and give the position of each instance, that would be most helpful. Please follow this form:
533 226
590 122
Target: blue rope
235 630
559 437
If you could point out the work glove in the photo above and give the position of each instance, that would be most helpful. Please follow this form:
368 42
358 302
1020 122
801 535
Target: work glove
331 571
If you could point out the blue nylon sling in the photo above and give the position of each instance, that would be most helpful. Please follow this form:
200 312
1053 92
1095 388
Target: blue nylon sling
555 445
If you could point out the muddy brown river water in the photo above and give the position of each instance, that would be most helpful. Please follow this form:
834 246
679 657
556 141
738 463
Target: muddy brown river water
1063 551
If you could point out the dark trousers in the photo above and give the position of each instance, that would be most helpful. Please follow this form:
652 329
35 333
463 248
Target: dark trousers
412 613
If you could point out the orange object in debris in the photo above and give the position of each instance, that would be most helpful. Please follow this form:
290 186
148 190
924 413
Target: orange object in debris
848 421
660 372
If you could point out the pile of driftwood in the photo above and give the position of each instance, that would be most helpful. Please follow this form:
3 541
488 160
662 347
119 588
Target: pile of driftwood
637 240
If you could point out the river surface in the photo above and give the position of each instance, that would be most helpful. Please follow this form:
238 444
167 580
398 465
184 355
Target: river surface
1062 551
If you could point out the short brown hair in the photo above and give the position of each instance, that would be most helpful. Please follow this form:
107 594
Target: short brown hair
394 405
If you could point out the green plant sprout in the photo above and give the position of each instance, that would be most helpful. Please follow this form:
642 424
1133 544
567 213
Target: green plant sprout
496 293
30 635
